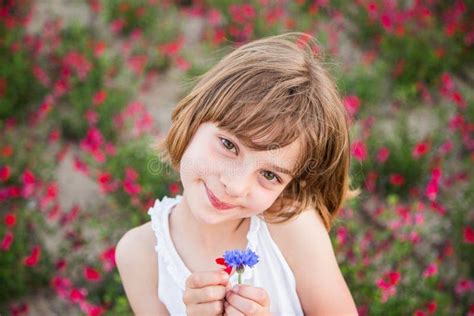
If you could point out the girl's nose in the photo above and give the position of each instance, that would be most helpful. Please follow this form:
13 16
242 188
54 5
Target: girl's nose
236 185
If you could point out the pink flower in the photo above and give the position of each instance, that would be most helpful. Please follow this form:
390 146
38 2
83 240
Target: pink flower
433 185
131 187
116 26
359 150
99 97
341 235
420 149
60 265
77 295
10 220
91 274
464 286
54 136
77 62
397 179
91 117
174 188
214 17
352 104
383 154
5 172
431 270
61 286
106 183
70 216
7 241
468 235
108 258
173 48
80 165
131 174
432 306
137 63
33 259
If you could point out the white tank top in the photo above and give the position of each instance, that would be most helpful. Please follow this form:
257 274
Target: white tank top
272 272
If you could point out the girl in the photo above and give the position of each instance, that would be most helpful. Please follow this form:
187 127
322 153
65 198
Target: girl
261 145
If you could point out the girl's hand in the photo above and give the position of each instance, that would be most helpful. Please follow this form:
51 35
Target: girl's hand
205 292
247 300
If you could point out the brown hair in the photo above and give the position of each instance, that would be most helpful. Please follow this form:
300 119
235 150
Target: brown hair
275 90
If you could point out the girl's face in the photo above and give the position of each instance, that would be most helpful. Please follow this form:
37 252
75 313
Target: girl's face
215 165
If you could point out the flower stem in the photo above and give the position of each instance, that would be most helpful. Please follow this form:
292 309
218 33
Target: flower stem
240 278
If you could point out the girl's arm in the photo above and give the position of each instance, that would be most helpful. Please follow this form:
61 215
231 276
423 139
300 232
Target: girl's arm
136 260
306 245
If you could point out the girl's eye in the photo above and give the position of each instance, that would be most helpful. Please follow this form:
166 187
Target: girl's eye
228 144
272 176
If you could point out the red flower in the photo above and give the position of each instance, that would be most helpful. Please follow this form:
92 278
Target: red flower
432 306
7 151
10 220
77 295
33 258
222 262
431 270
5 173
108 258
468 235
420 149
99 97
174 188
7 241
359 150
383 154
396 179
352 104
60 265
91 274
19 310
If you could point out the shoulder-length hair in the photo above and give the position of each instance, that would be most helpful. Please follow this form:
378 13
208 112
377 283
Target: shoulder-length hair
269 93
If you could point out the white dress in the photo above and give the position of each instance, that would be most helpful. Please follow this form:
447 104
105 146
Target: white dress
272 272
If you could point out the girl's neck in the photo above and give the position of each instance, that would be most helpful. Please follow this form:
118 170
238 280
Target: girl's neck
207 235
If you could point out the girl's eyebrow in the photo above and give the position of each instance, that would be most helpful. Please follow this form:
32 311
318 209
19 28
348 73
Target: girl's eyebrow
283 170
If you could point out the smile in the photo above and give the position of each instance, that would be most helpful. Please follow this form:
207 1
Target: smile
216 202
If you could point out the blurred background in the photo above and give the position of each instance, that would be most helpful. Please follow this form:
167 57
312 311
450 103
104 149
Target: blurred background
86 86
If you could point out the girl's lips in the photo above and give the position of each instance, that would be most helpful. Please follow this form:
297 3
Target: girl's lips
216 202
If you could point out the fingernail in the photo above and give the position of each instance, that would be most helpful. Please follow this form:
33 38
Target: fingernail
235 289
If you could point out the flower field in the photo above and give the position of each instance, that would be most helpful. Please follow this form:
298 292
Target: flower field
85 98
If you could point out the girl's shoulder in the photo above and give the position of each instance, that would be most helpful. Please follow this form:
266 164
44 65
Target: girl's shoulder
137 264
304 242
288 235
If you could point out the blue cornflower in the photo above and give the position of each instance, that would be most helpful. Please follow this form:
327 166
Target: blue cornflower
239 259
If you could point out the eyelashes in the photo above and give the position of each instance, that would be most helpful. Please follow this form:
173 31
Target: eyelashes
225 142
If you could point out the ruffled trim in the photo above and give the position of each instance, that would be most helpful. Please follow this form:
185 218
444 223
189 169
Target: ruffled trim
159 213
159 222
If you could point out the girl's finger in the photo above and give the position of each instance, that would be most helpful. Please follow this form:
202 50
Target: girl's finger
203 295
230 310
202 279
209 308
253 293
242 304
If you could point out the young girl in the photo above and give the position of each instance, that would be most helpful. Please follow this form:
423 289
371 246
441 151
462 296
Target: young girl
261 145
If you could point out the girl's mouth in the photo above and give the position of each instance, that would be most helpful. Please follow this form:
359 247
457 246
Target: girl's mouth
216 202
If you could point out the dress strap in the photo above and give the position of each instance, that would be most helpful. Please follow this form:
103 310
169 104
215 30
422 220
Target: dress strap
166 252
